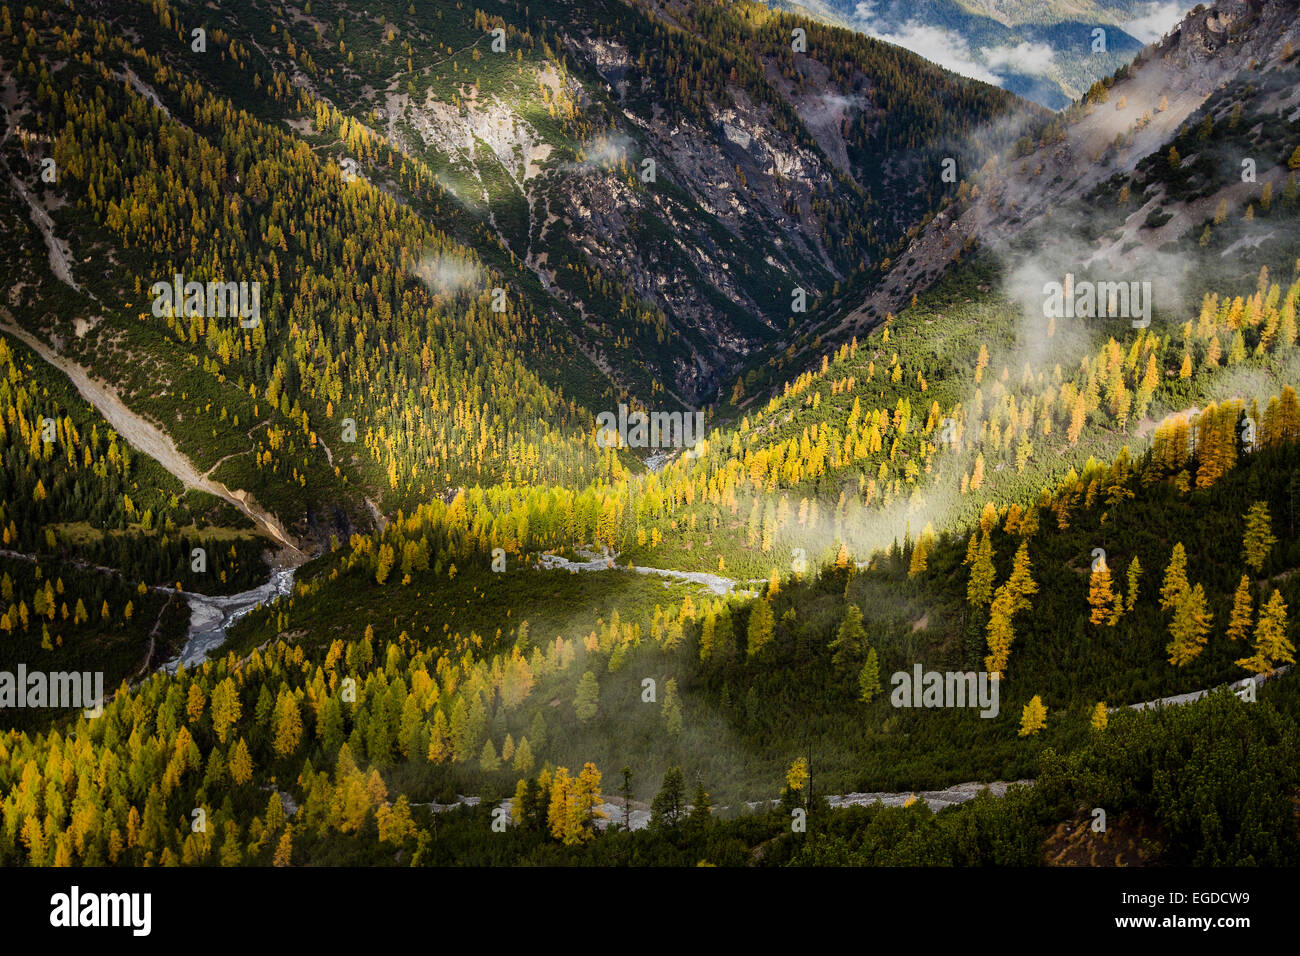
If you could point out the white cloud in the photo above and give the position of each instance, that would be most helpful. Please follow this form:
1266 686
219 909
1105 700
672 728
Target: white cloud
944 47
1158 19
865 10
607 150
1032 59
446 274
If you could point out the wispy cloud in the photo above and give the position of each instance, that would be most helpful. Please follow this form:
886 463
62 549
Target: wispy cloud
1157 19
446 274
1030 59
607 151
944 47
952 51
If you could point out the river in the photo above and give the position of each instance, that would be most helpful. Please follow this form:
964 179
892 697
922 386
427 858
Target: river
212 617
714 582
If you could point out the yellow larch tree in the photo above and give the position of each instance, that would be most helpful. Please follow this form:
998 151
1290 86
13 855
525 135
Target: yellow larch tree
1100 596
1259 539
1175 578
1242 614
1134 578
1033 718
1190 627
1272 647
1100 717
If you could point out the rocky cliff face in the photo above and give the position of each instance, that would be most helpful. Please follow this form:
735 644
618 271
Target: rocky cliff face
673 173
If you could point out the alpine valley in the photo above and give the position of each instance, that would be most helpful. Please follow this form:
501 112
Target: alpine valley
650 432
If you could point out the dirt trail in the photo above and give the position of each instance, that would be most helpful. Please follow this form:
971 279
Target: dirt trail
149 438
143 435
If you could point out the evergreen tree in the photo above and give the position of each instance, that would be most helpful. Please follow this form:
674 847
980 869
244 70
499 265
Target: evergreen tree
701 814
587 701
669 804
869 678
523 759
626 791
850 638
488 760
672 709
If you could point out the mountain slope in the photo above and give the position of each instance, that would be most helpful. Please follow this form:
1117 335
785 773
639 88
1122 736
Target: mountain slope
1050 201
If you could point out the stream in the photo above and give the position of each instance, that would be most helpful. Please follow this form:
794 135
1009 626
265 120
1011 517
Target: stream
212 617
714 582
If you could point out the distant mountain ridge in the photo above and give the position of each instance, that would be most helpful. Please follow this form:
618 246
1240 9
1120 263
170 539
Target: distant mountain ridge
1044 51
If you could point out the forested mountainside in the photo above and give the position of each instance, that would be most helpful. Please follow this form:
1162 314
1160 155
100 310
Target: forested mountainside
780 174
492 635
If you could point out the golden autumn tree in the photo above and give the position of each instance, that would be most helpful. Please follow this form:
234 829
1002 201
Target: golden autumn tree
1100 717
1272 646
1000 634
439 739
557 809
979 587
1175 578
1258 540
385 563
394 822
760 627
241 763
920 554
194 702
842 559
1134 579
1078 417
1190 627
1101 598
1033 717
1242 614
1010 599
284 849
796 778
225 708
288 724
